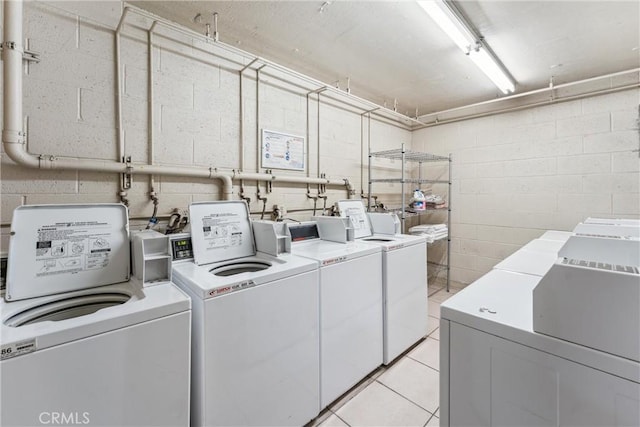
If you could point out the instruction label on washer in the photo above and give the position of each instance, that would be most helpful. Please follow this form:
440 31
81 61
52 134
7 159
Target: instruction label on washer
8 351
72 247
222 230
358 218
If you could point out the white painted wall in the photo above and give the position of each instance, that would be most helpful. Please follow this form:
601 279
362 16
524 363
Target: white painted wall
518 174
515 175
70 108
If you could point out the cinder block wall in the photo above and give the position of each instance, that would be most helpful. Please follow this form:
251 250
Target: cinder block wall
70 110
518 174
515 175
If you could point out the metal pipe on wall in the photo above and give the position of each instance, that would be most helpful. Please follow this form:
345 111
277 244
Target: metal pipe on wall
120 133
151 110
14 137
553 88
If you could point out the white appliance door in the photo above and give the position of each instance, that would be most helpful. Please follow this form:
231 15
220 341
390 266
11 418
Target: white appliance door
133 376
350 324
496 382
261 355
405 286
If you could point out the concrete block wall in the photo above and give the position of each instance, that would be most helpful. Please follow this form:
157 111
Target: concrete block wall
518 174
70 110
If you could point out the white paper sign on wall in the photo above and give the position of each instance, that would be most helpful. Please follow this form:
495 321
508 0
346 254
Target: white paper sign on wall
282 151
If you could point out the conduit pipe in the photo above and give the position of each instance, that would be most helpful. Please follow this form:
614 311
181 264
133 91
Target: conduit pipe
235 51
121 147
14 138
552 88
151 110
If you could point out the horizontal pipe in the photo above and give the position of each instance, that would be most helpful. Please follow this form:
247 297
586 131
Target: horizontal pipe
531 92
287 178
530 105
14 141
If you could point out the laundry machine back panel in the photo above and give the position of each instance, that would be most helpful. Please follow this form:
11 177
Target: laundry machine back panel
221 231
113 379
64 248
356 212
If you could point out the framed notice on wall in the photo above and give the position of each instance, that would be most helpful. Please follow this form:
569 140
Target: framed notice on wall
282 151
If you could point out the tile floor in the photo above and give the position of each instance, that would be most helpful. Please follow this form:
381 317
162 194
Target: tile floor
405 393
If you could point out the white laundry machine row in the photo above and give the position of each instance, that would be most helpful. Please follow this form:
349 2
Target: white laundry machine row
350 302
82 342
558 349
404 276
539 255
255 358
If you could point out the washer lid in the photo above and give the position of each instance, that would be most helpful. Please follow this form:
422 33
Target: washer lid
63 248
220 231
354 209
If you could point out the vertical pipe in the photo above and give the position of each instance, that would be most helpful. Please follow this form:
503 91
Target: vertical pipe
258 119
308 140
12 50
402 188
362 157
370 183
318 153
121 142
241 131
258 141
151 109
449 226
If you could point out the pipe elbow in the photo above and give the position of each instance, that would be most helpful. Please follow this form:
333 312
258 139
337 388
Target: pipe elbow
16 152
227 183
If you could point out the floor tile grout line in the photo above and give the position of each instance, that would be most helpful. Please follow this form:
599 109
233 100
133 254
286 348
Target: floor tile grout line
340 418
408 400
429 420
356 389
424 364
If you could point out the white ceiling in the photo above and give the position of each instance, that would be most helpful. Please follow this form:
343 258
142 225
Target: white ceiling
392 50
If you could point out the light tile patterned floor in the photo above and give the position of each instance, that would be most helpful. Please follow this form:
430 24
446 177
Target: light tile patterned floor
405 393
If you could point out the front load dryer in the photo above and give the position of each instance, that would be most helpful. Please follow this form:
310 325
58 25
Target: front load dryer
404 276
350 307
255 323
82 342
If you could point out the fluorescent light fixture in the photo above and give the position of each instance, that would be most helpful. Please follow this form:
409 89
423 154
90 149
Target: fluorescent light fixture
460 32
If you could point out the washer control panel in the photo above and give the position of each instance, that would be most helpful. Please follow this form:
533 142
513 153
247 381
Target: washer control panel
181 247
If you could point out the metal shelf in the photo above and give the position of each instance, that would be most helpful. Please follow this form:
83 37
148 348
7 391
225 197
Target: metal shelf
418 157
409 212
408 155
410 181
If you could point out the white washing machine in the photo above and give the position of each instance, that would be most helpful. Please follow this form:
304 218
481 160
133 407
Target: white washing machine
404 276
350 304
82 343
495 369
561 349
255 323
535 258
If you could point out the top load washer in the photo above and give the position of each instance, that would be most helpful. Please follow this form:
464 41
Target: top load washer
535 258
404 275
497 370
350 303
81 341
255 323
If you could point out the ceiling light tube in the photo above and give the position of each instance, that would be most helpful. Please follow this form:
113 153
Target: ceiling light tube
487 64
461 33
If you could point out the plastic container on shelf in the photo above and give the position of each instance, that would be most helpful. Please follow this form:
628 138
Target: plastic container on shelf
418 201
